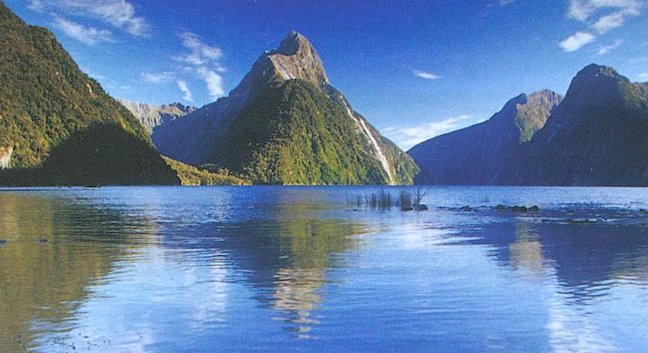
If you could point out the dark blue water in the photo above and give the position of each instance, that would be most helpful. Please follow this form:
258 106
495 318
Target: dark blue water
299 269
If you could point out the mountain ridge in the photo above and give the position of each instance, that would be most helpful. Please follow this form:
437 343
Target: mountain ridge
479 154
596 135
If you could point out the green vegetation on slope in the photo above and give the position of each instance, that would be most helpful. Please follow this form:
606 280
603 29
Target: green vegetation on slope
44 96
192 176
292 133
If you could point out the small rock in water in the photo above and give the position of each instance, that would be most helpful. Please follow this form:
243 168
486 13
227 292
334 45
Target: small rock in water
43 240
407 208
582 221
3 242
466 208
421 208
643 211
520 209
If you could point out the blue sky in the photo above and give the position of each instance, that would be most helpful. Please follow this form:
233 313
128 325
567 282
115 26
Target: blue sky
414 69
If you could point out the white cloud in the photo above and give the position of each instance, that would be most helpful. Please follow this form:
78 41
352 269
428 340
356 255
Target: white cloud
187 95
36 5
608 48
84 34
200 53
505 2
203 61
601 17
213 80
158 77
426 75
577 41
609 22
581 10
117 13
407 137
643 76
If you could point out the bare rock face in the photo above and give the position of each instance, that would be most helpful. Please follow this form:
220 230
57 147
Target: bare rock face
151 115
5 157
296 58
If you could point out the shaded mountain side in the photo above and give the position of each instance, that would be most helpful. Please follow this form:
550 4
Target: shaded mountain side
482 153
251 131
95 156
597 136
151 115
44 96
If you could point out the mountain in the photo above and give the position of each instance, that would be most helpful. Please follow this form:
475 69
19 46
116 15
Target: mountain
58 126
482 153
597 136
285 124
151 115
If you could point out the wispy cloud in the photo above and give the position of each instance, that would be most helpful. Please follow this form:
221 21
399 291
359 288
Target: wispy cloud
505 2
608 48
609 22
84 34
213 80
200 53
120 14
204 60
582 10
407 137
158 77
577 41
426 75
643 76
601 16
186 92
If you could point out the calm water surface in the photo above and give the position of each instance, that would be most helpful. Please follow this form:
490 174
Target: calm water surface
295 269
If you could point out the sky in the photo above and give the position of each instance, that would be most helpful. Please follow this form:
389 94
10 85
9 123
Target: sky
414 68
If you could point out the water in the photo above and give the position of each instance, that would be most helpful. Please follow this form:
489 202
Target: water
299 269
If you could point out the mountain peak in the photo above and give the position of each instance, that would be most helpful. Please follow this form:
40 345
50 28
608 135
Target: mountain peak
293 43
296 58
595 71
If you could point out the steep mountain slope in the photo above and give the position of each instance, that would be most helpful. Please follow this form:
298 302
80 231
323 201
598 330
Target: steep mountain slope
482 153
151 115
597 136
43 94
58 126
285 124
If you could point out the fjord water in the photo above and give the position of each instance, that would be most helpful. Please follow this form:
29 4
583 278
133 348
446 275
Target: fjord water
296 269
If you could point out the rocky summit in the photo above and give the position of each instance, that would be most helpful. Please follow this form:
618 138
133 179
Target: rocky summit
285 124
